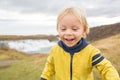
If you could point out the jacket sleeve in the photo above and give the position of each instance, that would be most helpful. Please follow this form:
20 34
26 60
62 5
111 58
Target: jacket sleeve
106 69
42 78
48 71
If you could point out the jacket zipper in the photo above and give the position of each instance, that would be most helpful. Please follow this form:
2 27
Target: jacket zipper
71 67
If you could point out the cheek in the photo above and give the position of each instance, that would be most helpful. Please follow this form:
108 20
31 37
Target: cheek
59 33
80 34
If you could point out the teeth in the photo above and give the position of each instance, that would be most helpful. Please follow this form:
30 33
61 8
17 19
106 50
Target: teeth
69 39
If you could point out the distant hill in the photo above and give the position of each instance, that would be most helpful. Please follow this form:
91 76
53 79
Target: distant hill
21 37
96 33
100 32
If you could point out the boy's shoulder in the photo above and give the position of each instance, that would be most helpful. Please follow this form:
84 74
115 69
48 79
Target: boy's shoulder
92 49
90 46
55 46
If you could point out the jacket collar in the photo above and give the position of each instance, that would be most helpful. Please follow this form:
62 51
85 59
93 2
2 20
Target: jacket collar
80 45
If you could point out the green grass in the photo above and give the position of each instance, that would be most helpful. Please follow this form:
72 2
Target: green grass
23 67
6 53
29 69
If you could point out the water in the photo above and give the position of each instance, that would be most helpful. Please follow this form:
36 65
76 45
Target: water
30 46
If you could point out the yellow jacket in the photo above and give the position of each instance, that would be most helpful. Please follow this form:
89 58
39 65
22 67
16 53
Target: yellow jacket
77 66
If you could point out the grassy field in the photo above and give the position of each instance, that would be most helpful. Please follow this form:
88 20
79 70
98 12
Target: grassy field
7 54
110 48
29 67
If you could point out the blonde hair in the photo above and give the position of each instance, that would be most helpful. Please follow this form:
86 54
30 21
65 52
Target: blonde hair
79 13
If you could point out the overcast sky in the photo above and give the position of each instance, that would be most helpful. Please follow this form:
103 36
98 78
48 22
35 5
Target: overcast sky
39 16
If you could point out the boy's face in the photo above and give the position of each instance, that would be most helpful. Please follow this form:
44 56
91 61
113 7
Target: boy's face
70 30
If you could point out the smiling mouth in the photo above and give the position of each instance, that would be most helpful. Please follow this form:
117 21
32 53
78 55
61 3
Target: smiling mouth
69 40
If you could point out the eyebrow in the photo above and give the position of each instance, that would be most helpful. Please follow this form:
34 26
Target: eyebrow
62 26
75 26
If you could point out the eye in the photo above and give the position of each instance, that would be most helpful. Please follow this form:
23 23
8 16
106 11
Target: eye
74 29
63 29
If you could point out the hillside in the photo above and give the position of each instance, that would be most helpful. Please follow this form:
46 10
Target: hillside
104 31
110 48
11 54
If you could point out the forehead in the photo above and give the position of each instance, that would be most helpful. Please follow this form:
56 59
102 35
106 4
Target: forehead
69 19
68 16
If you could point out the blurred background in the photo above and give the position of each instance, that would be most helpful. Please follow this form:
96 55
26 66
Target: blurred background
28 31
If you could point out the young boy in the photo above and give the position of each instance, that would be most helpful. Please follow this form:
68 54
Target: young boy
73 58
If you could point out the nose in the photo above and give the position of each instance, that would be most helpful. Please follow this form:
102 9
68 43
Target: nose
68 32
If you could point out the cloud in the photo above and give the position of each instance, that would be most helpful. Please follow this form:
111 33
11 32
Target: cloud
29 6
29 14
93 7
106 8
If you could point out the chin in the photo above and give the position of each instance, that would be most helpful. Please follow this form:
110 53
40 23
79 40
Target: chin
69 45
